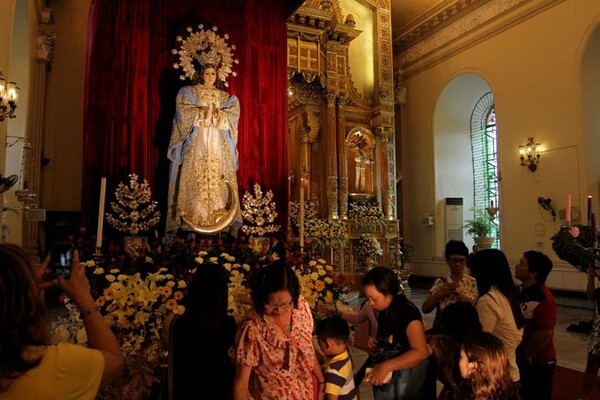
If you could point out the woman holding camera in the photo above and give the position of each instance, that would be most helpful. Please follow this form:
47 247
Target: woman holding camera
31 367
399 362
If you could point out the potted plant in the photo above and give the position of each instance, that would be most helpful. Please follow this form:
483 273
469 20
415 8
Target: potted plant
480 227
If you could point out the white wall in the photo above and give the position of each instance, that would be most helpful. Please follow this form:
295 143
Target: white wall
16 53
452 144
533 70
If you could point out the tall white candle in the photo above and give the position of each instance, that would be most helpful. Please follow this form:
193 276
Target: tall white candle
568 210
101 213
301 230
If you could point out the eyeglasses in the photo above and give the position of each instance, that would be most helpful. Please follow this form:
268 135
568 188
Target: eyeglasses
282 306
453 260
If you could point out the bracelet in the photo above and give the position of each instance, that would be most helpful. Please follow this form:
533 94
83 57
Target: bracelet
88 312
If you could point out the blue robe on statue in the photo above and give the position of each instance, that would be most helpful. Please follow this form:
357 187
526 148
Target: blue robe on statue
203 190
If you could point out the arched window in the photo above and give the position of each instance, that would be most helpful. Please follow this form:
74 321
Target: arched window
485 158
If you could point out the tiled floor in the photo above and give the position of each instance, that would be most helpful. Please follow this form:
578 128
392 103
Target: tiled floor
571 347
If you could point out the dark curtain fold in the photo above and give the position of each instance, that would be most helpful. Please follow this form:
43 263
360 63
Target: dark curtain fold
131 86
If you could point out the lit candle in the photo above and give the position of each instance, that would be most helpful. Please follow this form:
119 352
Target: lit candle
301 233
101 215
589 210
568 210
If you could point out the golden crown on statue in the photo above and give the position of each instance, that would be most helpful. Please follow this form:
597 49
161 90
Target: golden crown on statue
206 48
209 58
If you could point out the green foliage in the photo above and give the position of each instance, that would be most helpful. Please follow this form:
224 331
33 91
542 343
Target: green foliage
481 224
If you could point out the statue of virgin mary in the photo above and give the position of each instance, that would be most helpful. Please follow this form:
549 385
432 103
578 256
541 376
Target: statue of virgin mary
203 190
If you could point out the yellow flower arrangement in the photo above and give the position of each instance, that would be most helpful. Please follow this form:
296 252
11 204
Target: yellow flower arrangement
134 306
137 303
320 285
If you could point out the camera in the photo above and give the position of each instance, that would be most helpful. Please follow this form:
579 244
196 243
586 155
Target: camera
61 259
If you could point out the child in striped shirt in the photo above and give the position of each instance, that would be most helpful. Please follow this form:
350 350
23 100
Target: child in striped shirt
332 333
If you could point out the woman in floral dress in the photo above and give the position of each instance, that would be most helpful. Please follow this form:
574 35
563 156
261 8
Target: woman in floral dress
274 355
454 287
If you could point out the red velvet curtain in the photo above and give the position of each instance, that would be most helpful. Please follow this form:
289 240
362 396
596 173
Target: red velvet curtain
129 98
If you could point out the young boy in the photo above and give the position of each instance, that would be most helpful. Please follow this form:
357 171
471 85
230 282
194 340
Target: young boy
332 333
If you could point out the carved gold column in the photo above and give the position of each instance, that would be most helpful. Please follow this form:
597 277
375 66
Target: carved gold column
342 161
331 158
383 112
309 138
304 151
32 164
387 195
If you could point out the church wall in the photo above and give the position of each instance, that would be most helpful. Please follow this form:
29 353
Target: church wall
61 179
533 70
18 25
62 134
20 71
452 147
7 11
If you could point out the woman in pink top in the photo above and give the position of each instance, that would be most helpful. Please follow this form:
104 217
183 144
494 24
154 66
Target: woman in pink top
274 355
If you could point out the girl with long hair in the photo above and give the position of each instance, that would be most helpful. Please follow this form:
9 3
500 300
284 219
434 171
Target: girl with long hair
204 333
484 366
498 305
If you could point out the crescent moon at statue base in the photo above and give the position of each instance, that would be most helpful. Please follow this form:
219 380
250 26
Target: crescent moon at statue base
222 223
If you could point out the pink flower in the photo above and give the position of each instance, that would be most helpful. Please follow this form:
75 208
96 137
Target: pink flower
574 231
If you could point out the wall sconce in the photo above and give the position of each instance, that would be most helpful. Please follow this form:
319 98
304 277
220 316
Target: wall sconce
9 96
530 154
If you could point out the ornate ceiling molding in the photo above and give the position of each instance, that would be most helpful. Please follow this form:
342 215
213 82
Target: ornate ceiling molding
434 20
434 37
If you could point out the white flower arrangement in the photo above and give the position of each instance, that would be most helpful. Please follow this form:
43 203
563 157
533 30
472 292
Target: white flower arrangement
368 246
327 232
366 216
259 211
311 211
134 211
